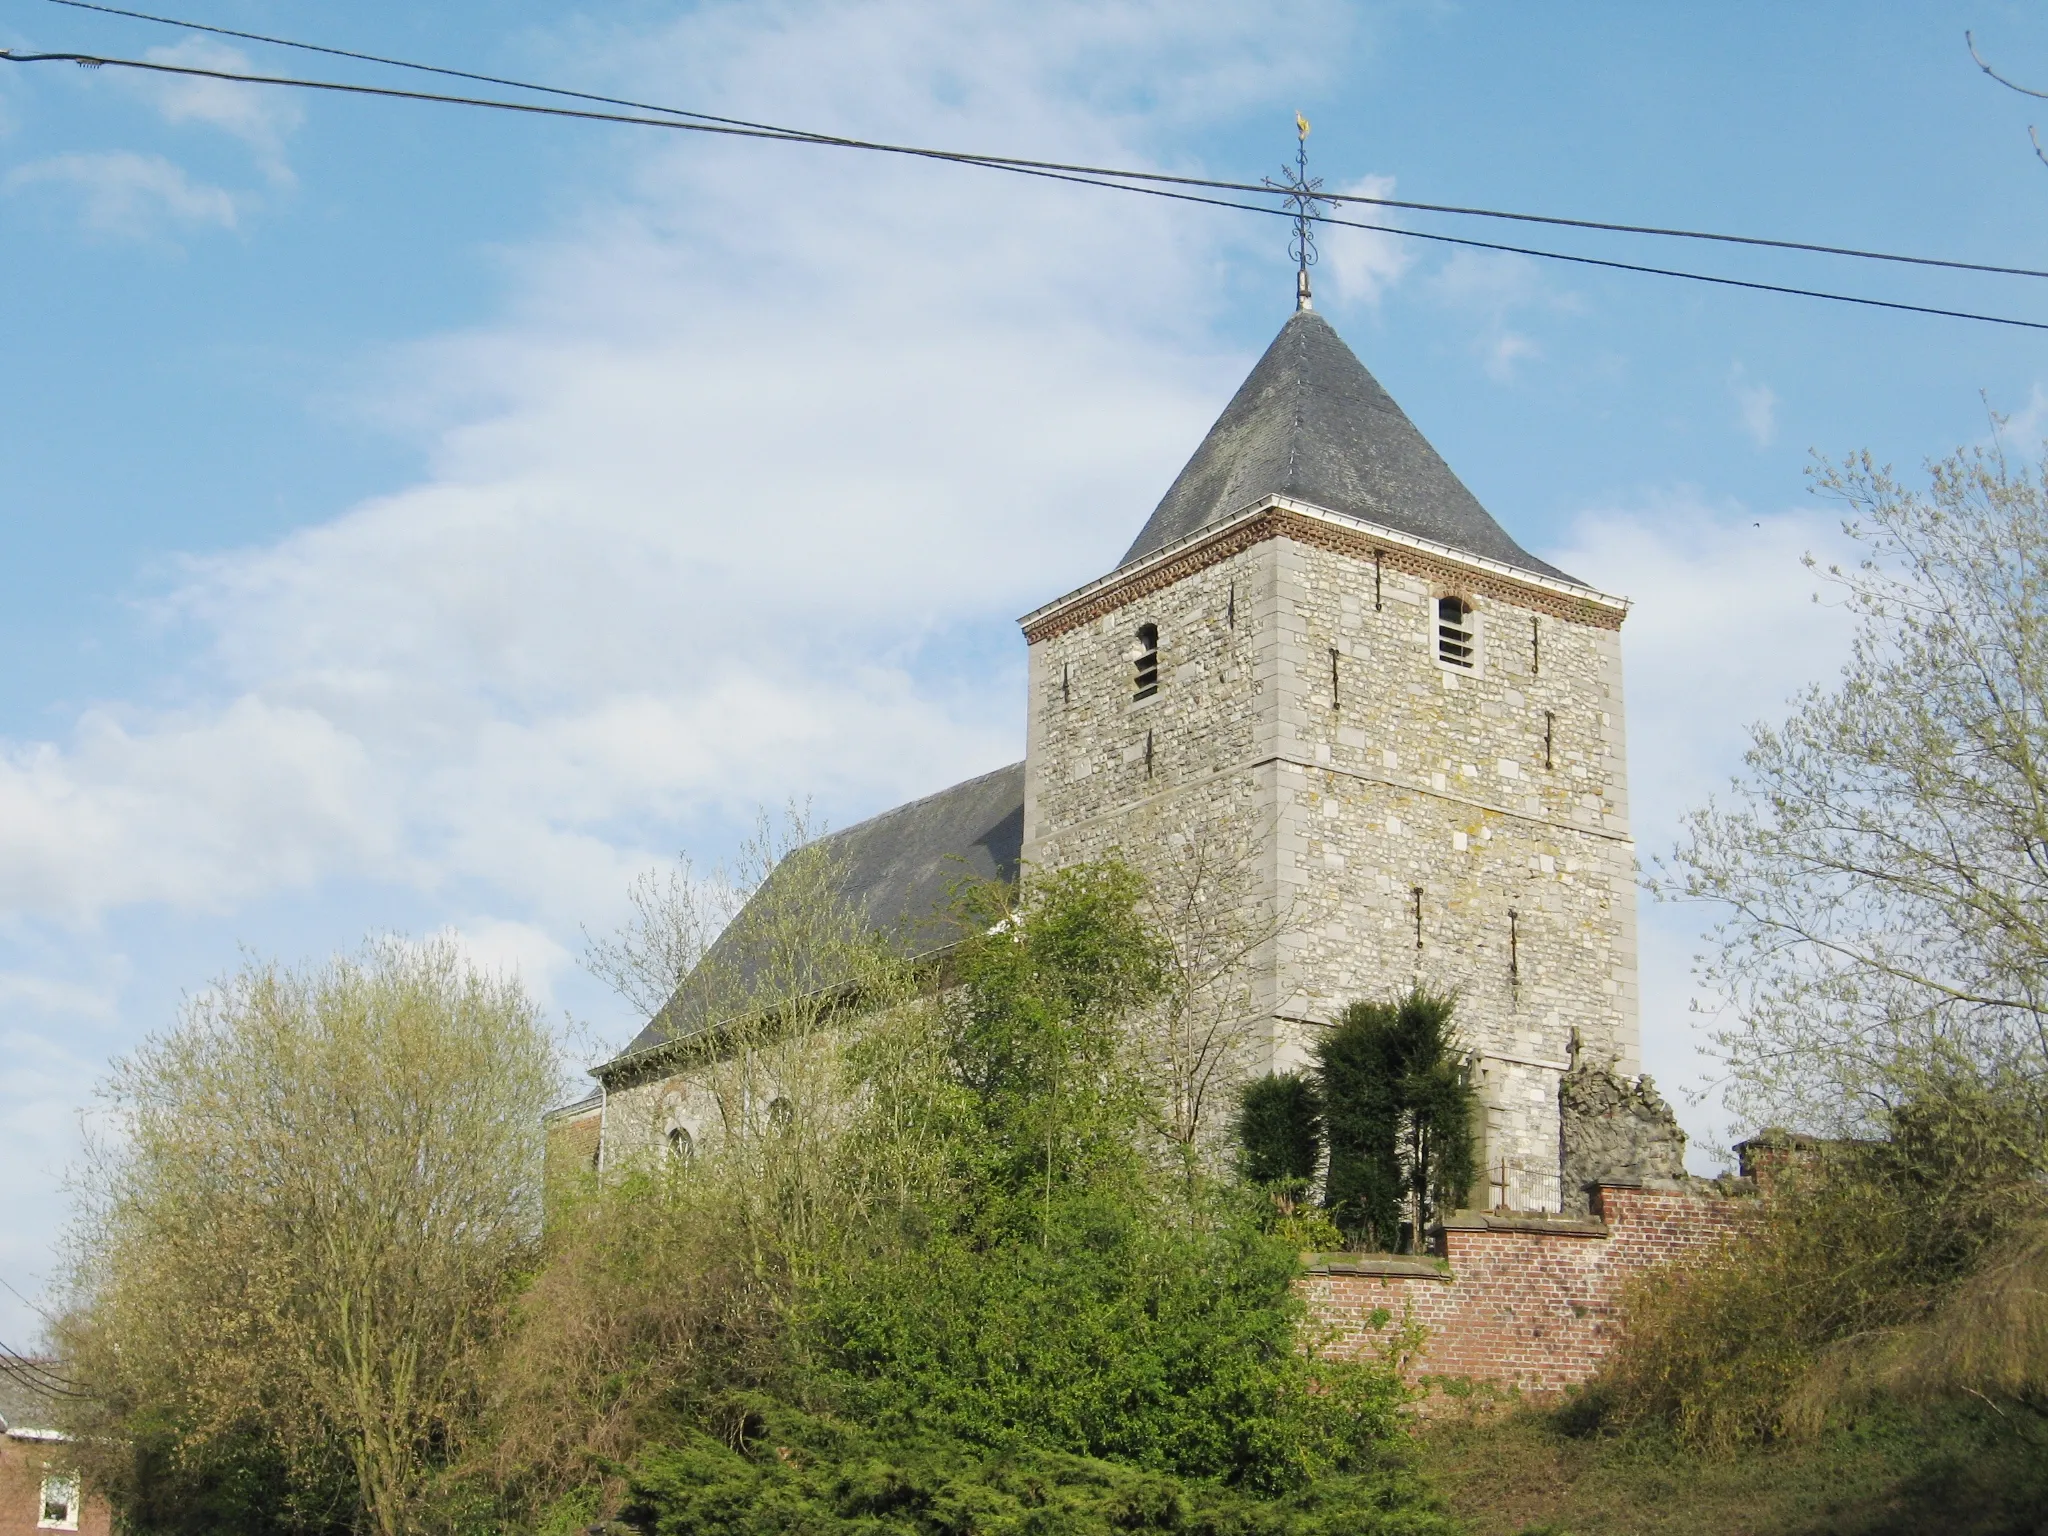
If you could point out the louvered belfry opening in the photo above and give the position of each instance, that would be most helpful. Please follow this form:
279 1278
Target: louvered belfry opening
1148 661
1454 637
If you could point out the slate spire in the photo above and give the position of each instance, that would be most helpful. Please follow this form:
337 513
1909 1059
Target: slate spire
1311 424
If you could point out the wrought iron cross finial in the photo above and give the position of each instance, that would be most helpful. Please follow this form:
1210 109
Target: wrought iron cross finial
1300 190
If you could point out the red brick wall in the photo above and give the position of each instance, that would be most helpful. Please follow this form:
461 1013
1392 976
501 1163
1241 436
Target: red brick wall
23 1465
1524 1304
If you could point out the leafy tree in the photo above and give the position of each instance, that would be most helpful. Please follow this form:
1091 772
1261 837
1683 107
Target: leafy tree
1882 860
1058 1288
1398 1112
296 1253
1280 1129
1010 1284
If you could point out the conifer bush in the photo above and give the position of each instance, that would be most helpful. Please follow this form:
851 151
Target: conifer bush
1280 1129
1397 1112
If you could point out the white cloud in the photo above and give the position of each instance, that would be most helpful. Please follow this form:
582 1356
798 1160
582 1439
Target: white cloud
518 951
1492 289
1364 263
261 118
128 194
2025 431
1756 407
1507 349
734 503
1722 631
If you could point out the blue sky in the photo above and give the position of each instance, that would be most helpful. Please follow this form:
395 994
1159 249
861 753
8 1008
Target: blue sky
423 520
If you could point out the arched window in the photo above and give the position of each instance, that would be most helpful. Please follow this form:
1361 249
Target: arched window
1456 640
1148 660
680 1147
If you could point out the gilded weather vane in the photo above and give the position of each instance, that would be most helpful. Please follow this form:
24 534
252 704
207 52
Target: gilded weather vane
1300 190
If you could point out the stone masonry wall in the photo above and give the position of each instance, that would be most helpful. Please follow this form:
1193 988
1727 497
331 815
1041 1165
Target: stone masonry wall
1518 1302
1302 705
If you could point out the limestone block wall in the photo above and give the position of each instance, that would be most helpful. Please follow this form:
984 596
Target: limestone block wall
1096 755
1529 1303
1107 772
1502 789
638 1118
1415 822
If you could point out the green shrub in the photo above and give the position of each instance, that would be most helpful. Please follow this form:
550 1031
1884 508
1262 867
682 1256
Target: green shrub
1397 1111
1279 1129
799 1473
1859 1252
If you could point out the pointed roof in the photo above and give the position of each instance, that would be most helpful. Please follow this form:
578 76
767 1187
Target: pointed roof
1312 425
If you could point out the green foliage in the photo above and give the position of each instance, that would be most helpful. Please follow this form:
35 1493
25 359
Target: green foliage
295 1250
1279 1128
798 1473
1398 1113
237 1484
1009 1309
1858 1248
1059 1291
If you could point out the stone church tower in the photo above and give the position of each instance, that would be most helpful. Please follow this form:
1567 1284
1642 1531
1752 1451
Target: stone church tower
1321 652
1322 649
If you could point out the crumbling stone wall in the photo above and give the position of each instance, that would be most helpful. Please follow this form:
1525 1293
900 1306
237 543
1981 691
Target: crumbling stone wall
1615 1130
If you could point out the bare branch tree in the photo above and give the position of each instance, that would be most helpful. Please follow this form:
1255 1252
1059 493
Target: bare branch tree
1207 900
2011 85
1883 858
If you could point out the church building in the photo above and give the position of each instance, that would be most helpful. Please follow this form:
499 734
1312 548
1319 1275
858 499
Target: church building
1323 652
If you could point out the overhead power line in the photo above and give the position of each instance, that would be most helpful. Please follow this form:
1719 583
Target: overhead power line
1131 181
34 1373
1163 178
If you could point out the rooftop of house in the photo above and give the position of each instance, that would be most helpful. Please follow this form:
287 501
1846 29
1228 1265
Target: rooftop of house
28 1401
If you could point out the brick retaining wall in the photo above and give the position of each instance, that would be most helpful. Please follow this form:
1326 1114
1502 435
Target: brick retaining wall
1527 1301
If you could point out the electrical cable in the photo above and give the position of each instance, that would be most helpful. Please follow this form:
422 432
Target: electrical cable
1041 169
969 157
30 1373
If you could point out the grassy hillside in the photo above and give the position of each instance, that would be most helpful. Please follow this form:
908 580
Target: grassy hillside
1972 1470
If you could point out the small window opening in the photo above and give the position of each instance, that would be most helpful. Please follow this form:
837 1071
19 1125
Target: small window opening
1454 639
1066 682
680 1147
60 1504
1230 614
1549 737
1514 949
1148 660
1535 647
1416 891
1148 754
1378 558
1336 698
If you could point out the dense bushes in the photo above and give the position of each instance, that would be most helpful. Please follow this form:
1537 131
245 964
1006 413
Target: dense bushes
1006 1306
1391 1100
1908 1265
796 1472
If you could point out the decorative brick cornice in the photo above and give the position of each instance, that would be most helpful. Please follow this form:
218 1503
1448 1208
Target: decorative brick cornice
1274 518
